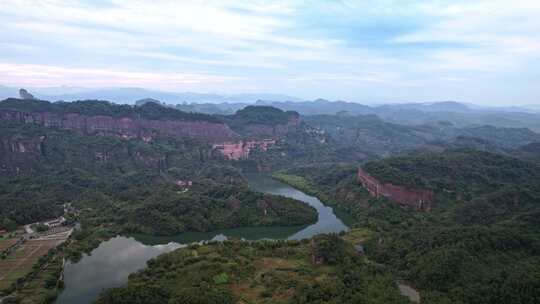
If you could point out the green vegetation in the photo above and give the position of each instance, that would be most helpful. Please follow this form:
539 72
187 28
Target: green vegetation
149 203
480 243
264 115
120 186
136 186
149 110
335 185
369 134
302 184
31 272
465 173
324 270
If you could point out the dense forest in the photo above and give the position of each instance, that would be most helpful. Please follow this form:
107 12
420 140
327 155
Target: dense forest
263 115
162 187
371 134
480 244
148 110
326 269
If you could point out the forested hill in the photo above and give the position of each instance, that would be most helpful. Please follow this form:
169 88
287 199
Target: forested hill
371 133
161 187
464 170
148 110
264 115
478 245
150 120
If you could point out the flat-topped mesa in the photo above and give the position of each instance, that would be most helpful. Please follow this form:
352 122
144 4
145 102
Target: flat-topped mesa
420 199
128 125
260 127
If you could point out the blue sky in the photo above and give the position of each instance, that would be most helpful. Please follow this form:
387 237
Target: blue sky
485 52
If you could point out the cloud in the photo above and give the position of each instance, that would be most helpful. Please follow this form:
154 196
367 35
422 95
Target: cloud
359 48
46 75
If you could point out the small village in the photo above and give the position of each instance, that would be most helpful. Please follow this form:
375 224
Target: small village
22 251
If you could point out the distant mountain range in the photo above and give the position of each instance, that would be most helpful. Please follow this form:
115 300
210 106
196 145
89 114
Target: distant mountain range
130 95
307 107
456 113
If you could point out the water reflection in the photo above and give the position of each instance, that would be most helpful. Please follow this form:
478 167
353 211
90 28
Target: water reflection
107 266
110 264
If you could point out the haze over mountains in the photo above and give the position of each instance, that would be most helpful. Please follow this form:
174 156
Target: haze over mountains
269 152
159 169
129 95
410 113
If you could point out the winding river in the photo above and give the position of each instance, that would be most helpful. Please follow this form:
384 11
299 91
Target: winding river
110 264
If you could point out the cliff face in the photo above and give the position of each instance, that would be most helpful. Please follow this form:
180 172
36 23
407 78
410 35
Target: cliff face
417 198
240 150
261 136
234 136
255 130
141 128
19 153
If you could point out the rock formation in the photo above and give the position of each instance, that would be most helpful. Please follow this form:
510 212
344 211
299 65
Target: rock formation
25 95
125 127
240 150
20 152
417 198
233 136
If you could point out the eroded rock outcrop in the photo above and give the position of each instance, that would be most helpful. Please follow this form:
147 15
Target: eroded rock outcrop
125 127
417 198
17 153
241 149
25 95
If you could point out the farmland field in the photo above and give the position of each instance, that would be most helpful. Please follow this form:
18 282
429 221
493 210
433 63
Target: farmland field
17 264
6 243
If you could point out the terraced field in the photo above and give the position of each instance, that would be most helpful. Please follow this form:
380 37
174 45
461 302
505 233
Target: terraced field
6 243
17 264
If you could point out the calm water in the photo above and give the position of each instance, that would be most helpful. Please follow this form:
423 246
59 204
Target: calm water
110 264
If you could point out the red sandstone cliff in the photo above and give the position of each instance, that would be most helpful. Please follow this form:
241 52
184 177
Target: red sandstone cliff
261 136
19 153
255 130
240 150
141 128
418 198
226 141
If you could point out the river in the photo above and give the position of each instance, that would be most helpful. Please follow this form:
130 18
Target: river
110 264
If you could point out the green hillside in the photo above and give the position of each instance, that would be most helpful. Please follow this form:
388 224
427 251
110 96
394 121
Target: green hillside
325 270
479 244
131 184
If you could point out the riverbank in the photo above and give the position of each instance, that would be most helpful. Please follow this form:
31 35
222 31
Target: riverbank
112 261
321 269
303 185
355 236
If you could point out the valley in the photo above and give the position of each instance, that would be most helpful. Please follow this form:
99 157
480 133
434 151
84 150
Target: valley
324 206
84 281
269 152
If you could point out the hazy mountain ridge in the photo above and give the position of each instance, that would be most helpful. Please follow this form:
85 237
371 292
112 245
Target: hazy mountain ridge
130 95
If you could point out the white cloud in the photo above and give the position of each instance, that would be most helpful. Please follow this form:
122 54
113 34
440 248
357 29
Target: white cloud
492 35
249 45
45 76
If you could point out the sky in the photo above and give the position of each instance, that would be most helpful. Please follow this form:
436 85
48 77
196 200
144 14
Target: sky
484 52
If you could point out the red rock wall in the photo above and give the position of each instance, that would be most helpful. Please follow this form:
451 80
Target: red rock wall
240 150
18 153
125 127
418 198
255 130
